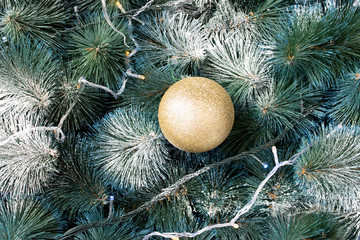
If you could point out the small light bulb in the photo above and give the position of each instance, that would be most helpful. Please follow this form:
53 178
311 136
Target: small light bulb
112 198
265 165
127 53
118 4
236 226
357 75
142 77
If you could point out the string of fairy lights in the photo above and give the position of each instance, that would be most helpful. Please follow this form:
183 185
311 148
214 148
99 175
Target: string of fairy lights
242 211
247 207
172 188
82 82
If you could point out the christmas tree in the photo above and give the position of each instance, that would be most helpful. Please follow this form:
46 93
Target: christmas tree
83 154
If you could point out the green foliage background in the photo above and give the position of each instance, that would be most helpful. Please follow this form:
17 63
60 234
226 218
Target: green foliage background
291 68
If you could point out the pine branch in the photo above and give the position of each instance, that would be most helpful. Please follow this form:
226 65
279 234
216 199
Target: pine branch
28 219
295 47
27 158
272 111
147 93
331 167
227 18
277 106
124 232
218 192
171 214
74 106
167 191
239 213
303 226
41 20
347 99
246 16
76 188
128 55
28 79
313 44
280 194
98 52
83 81
235 61
172 40
126 143
302 53
351 223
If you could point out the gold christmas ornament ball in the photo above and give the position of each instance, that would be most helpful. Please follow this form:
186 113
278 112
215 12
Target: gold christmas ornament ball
196 114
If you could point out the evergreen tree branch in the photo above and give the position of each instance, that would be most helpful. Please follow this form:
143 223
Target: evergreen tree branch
331 168
124 152
63 118
241 212
28 157
167 191
83 81
303 225
59 134
127 14
172 40
29 219
106 15
247 207
124 232
130 27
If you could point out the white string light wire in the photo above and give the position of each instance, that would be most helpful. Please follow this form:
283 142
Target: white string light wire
82 82
242 211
